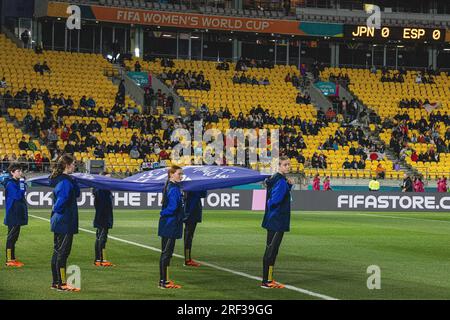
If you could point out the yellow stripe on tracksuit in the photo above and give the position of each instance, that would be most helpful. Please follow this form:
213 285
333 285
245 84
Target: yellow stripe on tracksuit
63 275
9 254
270 278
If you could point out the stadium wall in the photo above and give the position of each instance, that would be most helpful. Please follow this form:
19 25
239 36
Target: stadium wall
232 199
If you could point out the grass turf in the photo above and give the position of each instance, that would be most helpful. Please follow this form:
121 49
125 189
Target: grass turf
325 252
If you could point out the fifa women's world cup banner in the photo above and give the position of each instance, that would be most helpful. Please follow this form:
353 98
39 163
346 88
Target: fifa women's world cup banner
195 21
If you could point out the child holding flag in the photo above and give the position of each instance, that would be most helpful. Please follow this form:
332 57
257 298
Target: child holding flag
64 219
16 211
277 218
170 224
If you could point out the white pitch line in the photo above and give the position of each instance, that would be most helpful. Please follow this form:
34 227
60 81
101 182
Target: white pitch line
238 273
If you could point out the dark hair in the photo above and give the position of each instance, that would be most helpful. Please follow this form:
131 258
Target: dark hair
61 164
14 166
104 173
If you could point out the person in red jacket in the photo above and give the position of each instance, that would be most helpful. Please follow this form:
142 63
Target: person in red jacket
442 185
326 184
316 183
418 185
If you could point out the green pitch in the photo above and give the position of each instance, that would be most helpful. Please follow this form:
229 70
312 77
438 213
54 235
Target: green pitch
326 253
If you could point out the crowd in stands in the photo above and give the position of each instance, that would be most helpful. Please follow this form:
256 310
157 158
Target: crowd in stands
354 164
30 163
41 68
318 161
340 78
316 68
137 66
244 64
181 79
399 143
350 134
423 78
80 135
303 99
223 66
248 80
395 78
350 110
412 103
427 132
296 81
166 62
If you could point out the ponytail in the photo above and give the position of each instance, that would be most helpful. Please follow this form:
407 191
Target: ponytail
61 165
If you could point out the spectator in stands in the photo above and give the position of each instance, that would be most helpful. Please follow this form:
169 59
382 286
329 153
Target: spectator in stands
3 83
407 185
414 156
22 159
99 151
90 103
38 48
5 163
91 141
241 65
418 78
166 62
31 145
346 164
25 37
361 164
38 161
288 78
69 101
8 99
69 148
137 66
134 153
322 161
83 102
45 163
121 89
45 67
330 114
380 171
236 78
354 164
23 145
224 66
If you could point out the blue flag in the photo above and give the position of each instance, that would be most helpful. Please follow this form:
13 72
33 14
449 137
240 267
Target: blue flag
195 178
203 178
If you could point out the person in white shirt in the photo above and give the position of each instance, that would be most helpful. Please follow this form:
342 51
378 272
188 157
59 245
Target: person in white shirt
418 78
3 83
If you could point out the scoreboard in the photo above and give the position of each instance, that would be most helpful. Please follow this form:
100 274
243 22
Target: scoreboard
395 33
